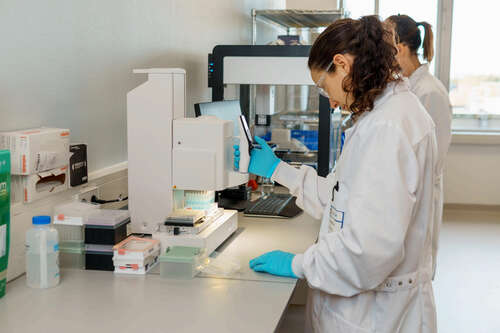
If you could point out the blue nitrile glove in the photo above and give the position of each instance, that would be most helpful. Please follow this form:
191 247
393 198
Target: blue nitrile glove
236 157
275 262
263 161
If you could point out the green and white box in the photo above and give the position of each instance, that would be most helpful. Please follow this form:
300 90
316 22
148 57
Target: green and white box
4 217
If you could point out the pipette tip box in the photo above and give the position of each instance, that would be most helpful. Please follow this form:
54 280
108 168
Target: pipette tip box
107 227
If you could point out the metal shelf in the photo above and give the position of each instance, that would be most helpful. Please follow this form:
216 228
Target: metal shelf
297 18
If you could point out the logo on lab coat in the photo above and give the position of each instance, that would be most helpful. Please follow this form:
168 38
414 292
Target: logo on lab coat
336 219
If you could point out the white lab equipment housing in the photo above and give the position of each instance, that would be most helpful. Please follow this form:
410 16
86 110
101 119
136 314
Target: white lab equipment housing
167 150
266 66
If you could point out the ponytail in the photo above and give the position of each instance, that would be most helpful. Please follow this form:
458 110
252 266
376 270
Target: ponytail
428 41
408 33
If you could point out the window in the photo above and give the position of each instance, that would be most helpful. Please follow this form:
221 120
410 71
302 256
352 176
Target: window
474 68
423 10
357 8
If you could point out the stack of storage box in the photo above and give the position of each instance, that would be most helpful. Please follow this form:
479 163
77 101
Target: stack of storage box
136 255
69 220
103 230
39 161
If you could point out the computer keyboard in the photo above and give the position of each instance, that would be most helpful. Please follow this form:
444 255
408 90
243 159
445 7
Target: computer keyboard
274 205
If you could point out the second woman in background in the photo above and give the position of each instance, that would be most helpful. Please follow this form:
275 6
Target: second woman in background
430 91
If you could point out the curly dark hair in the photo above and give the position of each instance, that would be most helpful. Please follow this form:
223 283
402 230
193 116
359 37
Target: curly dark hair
374 66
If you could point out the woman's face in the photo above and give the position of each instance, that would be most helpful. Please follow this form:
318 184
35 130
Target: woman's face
331 82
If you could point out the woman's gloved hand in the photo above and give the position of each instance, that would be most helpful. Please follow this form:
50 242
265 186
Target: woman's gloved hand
275 262
263 161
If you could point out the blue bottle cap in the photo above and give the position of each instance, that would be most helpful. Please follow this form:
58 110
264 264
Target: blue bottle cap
39 220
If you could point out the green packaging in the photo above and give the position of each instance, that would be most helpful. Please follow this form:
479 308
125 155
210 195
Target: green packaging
4 217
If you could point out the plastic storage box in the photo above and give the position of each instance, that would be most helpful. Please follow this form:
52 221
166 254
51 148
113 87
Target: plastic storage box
180 262
135 255
69 220
72 257
99 257
107 227
126 267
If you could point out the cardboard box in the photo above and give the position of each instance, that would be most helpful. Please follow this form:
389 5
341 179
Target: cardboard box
40 185
36 150
78 172
4 217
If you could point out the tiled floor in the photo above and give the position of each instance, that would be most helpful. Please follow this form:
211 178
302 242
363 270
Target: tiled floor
467 284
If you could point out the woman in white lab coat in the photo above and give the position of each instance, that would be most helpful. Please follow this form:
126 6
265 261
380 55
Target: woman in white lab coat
429 90
370 270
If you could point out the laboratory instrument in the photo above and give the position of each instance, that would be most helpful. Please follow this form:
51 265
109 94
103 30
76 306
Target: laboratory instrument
168 152
277 93
188 221
42 254
236 197
185 218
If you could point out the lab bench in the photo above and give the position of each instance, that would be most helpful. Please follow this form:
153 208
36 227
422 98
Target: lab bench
96 301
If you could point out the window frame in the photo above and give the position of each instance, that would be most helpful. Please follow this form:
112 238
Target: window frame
444 30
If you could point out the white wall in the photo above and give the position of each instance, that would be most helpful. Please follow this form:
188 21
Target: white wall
69 63
311 4
472 174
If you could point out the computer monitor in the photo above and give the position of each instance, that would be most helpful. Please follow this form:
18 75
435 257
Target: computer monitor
227 110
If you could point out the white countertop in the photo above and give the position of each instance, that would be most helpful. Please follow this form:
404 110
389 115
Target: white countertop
95 301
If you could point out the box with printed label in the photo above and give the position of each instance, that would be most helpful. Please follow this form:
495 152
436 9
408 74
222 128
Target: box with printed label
40 185
36 150
4 217
78 172
136 255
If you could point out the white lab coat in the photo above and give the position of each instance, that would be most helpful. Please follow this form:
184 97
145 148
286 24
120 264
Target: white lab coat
434 97
370 270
